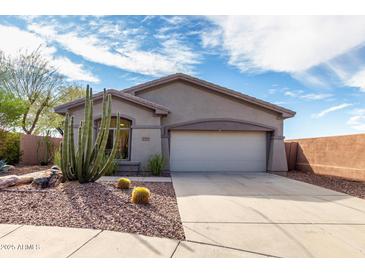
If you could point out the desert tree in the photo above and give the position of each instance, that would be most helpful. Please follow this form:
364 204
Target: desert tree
53 122
11 110
31 78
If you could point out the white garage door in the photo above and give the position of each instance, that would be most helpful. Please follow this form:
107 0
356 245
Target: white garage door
217 151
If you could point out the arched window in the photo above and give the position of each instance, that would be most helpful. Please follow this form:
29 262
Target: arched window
125 128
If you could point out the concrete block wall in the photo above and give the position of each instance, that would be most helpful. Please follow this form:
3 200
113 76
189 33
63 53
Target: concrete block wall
31 146
342 156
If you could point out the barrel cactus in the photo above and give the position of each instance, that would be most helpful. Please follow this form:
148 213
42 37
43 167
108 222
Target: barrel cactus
85 163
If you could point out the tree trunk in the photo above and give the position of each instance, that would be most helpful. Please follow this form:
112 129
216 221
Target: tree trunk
39 111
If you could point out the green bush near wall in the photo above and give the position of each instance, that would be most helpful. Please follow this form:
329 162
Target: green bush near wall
10 147
156 164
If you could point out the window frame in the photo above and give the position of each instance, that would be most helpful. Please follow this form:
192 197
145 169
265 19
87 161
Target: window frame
129 129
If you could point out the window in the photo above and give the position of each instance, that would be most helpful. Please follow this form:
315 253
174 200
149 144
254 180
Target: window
125 128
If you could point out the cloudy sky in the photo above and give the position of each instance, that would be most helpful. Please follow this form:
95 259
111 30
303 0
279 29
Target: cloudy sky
310 64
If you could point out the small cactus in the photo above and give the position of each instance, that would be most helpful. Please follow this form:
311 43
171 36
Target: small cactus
124 183
140 195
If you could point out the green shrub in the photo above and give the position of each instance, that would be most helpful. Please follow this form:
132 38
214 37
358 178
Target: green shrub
156 164
140 195
124 183
112 168
57 157
10 147
45 150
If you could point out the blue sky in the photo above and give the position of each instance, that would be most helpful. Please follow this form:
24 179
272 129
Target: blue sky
314 65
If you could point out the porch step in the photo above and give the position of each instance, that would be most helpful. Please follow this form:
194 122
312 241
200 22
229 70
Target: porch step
127 168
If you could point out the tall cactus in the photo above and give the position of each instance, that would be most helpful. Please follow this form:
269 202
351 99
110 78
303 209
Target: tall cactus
85 164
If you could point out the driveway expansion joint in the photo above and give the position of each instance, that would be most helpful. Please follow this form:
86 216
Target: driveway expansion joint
232 248
20 226
89 240
173 253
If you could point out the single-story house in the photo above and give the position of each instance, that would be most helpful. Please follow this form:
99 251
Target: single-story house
196 125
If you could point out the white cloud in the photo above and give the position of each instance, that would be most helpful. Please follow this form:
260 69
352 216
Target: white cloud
331 109
13 40
293 93
174 20
357 121
316 96
357 80
307 96
172 56
74 71
211 38
16 40
292 44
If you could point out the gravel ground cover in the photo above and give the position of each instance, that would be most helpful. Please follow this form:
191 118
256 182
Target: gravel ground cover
353 188
97 205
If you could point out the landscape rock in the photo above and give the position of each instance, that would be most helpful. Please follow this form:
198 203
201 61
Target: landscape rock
41 182
8 168
52 180
55 168
13 180
24 180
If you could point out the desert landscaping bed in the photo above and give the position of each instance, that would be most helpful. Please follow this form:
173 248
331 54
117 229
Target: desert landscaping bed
97 205
353 188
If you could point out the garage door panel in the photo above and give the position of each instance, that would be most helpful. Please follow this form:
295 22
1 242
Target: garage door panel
218 151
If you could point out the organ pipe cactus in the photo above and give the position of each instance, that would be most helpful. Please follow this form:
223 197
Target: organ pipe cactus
85 164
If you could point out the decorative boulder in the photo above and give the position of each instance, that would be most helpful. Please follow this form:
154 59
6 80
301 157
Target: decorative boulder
52 180
8 168
41 182
13 180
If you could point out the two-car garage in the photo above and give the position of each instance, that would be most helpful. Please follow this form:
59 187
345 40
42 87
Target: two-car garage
218 151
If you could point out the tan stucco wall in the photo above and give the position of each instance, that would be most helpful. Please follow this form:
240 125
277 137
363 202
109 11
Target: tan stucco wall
141 116
144 124
342 156
142 150
188 103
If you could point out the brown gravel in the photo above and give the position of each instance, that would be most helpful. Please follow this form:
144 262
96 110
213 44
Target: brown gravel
353 188
21 170
97 206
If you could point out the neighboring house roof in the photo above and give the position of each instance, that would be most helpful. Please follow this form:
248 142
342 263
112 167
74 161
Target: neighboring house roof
287 113
159 109
129 94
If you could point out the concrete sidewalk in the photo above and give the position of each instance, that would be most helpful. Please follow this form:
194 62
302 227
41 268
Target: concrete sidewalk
26 241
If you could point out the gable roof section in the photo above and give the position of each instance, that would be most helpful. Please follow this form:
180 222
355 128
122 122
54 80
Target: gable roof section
159 109
286 113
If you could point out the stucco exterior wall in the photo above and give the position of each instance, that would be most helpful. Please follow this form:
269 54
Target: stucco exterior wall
145 142
140 116
145 132
188 102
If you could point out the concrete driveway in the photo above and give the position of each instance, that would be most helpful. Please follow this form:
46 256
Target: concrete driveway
261 214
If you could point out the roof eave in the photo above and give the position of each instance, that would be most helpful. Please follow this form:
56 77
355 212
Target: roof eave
62 109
